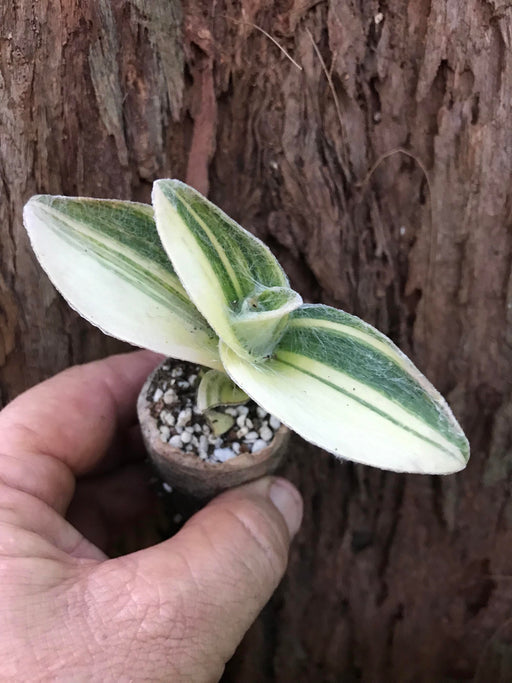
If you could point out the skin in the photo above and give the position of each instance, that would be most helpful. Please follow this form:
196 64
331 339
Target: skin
174 611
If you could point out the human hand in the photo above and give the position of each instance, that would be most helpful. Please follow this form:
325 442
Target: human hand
175 611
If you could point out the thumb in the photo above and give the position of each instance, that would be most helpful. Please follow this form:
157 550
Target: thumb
203 588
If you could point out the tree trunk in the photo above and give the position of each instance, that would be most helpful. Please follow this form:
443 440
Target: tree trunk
370 144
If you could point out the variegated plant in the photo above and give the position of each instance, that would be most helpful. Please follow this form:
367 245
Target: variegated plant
184 279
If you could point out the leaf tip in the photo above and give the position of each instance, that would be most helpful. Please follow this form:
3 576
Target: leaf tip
167 188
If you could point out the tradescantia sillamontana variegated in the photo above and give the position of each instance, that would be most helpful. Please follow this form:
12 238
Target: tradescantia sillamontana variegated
184 279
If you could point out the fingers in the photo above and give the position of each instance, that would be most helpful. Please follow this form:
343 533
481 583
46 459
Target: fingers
30 528
62 427
193 597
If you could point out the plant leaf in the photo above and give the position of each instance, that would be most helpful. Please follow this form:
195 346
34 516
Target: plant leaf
106 259
221 266
217 389
263 318
346 387
219 422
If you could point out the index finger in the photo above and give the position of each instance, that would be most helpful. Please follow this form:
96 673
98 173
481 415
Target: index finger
62 427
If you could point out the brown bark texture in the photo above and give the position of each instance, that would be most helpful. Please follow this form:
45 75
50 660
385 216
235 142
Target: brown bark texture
378 166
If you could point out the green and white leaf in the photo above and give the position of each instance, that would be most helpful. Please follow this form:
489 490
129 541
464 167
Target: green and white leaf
217 389
106 259
263 318
224 269
346 387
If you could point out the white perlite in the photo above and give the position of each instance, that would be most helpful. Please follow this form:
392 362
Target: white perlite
175 441
266 433
223 454
170 397
274 423
184 417
258 445
165 433
251 436
168 418
182 425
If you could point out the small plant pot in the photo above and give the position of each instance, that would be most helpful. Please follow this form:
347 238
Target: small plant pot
187 472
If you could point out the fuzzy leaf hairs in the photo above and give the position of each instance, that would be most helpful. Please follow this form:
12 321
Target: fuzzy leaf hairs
184 279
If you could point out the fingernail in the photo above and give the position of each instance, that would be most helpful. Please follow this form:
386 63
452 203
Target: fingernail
288 501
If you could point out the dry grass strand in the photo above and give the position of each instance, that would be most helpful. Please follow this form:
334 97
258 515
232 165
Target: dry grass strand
433 227
268 35
328 76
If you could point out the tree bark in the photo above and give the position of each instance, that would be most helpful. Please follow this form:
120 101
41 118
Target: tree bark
378 167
